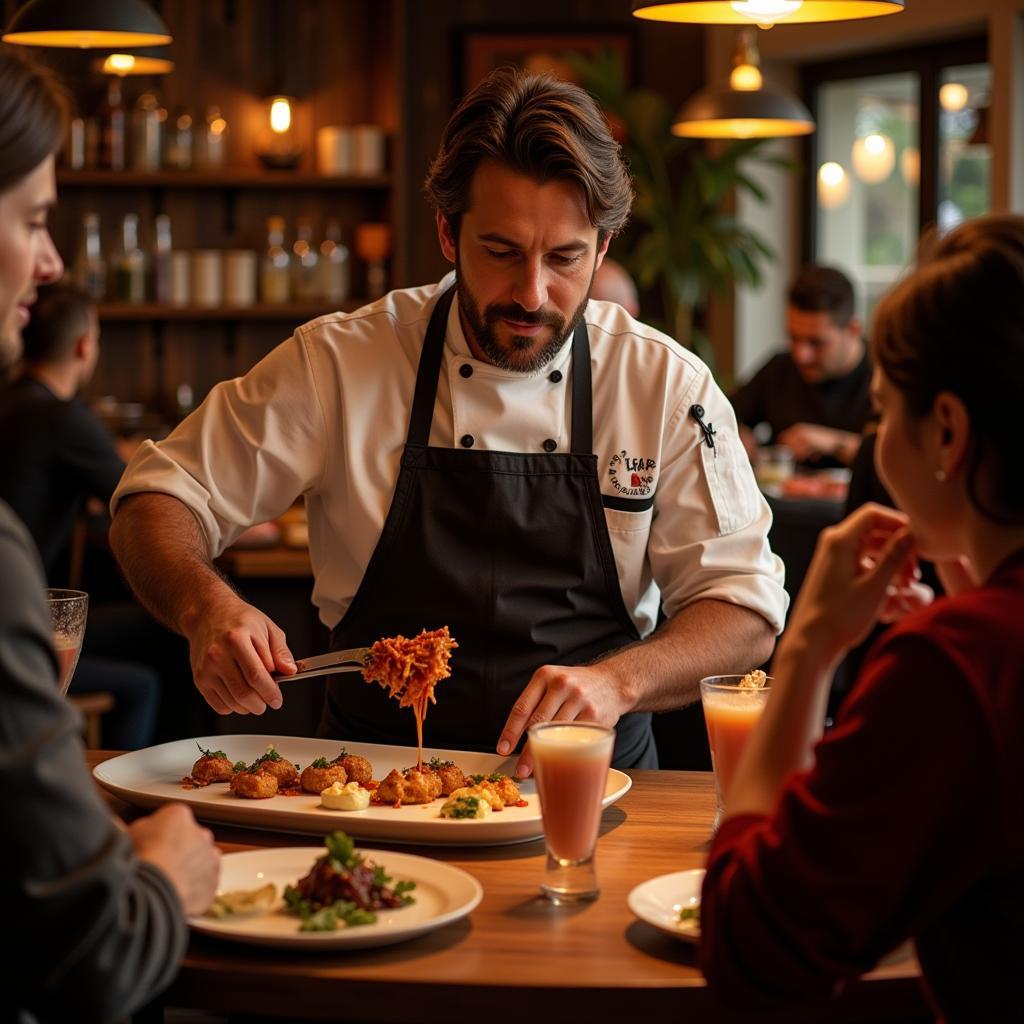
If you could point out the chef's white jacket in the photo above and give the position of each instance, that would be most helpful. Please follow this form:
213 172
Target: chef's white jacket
325 416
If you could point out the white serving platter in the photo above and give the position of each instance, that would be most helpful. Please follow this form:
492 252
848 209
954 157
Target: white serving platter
152 777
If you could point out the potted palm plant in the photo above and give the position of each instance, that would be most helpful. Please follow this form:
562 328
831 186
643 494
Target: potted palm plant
684 241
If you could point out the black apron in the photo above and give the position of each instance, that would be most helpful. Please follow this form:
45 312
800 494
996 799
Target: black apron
511 552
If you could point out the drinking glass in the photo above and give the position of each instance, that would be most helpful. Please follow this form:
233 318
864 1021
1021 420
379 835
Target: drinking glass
730 713
69 609
571 761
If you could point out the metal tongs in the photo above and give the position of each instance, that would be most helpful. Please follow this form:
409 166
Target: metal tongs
326 664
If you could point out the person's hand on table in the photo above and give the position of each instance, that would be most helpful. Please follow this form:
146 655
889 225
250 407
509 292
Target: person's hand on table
864 571
234 648
811 441
562 693
175 842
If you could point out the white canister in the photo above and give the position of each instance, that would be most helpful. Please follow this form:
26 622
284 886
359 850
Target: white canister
240 277
207 278
181 278
334 149
367 149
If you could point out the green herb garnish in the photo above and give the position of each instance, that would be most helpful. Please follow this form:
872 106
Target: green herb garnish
690 914
212 753
342 753
493 777
321 762
437 764
239 766
465 807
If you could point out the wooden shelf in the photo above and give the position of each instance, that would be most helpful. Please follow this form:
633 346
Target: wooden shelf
299 312
240 178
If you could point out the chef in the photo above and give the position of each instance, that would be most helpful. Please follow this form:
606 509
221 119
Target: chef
494 453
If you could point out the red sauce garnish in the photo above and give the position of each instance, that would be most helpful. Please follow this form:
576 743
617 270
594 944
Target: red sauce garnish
521 803
292 791
188 782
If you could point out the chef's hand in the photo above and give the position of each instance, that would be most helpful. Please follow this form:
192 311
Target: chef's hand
175 842
233 648
563 693
864 570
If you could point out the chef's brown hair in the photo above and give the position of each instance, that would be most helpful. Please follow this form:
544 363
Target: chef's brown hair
956 324
542 127
33 114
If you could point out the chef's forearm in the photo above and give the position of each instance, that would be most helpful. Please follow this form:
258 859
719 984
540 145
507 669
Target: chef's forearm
705 638
162 553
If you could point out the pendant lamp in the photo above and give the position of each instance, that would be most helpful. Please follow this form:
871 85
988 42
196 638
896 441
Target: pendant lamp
147 60
762 12
87 24
744 107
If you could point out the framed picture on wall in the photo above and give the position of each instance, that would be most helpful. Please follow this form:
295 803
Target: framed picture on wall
539 51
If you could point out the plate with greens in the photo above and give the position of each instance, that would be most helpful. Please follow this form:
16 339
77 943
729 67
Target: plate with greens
335 897
671 903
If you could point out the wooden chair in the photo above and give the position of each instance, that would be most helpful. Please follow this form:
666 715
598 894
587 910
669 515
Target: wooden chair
93 706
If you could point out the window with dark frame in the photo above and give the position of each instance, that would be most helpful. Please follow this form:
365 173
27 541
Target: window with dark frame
901 145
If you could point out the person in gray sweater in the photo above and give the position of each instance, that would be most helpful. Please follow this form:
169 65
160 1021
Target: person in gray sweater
95 910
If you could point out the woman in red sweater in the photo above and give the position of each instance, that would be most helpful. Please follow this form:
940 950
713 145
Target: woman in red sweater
907 819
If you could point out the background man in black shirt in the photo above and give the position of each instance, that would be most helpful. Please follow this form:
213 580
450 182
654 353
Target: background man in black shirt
813 397
56 453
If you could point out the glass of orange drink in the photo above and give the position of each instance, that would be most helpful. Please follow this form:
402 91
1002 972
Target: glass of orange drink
732 707
571 761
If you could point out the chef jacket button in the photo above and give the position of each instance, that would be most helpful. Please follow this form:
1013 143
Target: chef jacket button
466 370
550 445
555 376
466 441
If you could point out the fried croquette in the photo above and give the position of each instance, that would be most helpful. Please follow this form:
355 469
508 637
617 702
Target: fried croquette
409 787
504 785
357 768
451 775
213 766
254 785
321 775
286 773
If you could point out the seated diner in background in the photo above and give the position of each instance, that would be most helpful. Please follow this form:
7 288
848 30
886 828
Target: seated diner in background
814 397
904 821
97 909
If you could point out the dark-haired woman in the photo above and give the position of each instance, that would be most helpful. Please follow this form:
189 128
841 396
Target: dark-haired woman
94 912
907 819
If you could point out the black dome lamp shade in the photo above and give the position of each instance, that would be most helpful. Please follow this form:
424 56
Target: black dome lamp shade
87 24
744 107
762 12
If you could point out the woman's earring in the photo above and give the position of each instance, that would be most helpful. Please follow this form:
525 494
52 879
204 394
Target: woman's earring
940 475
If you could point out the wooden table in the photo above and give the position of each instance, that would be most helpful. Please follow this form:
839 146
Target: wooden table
516 959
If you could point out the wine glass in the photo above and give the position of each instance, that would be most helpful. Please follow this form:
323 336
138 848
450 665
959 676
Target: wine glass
69 609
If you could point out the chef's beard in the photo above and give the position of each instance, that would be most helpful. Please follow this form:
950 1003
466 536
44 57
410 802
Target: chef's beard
521 355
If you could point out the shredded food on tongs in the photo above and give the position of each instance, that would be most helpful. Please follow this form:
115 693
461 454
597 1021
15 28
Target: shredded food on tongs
409 669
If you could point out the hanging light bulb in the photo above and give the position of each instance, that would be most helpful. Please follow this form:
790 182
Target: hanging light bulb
764 12
874 158
953 96
833 185
745 107
149 60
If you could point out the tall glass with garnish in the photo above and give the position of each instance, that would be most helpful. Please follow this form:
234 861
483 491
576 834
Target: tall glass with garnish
732 707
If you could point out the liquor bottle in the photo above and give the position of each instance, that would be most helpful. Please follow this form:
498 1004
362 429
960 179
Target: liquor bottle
147 131
179 142
130 265
335 264
90 272
275 286
211 151
305 279
113 128
162 260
